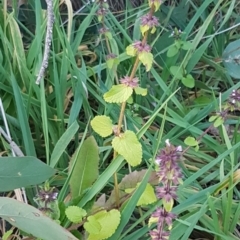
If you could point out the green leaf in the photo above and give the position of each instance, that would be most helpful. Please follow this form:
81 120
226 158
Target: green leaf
129 147
118 94
85 170
131 51
191 141
168 205
112 62
147 59
140 91
147 197
62 143
177 72
75 214
218 122
172 51
144 28
131 181
16 172
102 125
92 225
231 59
102 225
109 35
212 118
7 234
186 45
196 148
32 220
188 81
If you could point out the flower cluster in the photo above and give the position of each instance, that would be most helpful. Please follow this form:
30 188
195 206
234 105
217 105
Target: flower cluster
234 99
170 175
133 83
102 10
148 22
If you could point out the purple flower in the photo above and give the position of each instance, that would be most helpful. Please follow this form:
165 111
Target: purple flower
103 30
149 20
164 216
169 153
169 174
102 11
129 82
141 47
167 193
234 98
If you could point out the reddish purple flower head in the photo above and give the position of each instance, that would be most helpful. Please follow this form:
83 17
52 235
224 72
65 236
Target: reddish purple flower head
129 82
149 20
140 47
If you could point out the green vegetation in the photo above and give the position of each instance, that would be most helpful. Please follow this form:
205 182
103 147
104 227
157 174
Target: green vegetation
135 115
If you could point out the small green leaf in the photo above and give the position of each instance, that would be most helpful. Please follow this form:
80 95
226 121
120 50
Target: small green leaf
131 51
188 81
129 147
75 214
218 122
102 225
186 45
156 4
147 59
212 118
178 44
168 205
140 91
147 197
176 71
144 28
118 94
102 125
172 51
7 234
196 148
191 141
112 62
92 225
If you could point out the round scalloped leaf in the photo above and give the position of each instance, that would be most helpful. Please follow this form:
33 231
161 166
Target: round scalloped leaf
140 91
92 225
118 94
75 214
129 147
108 222
147 197
147 59
102 125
